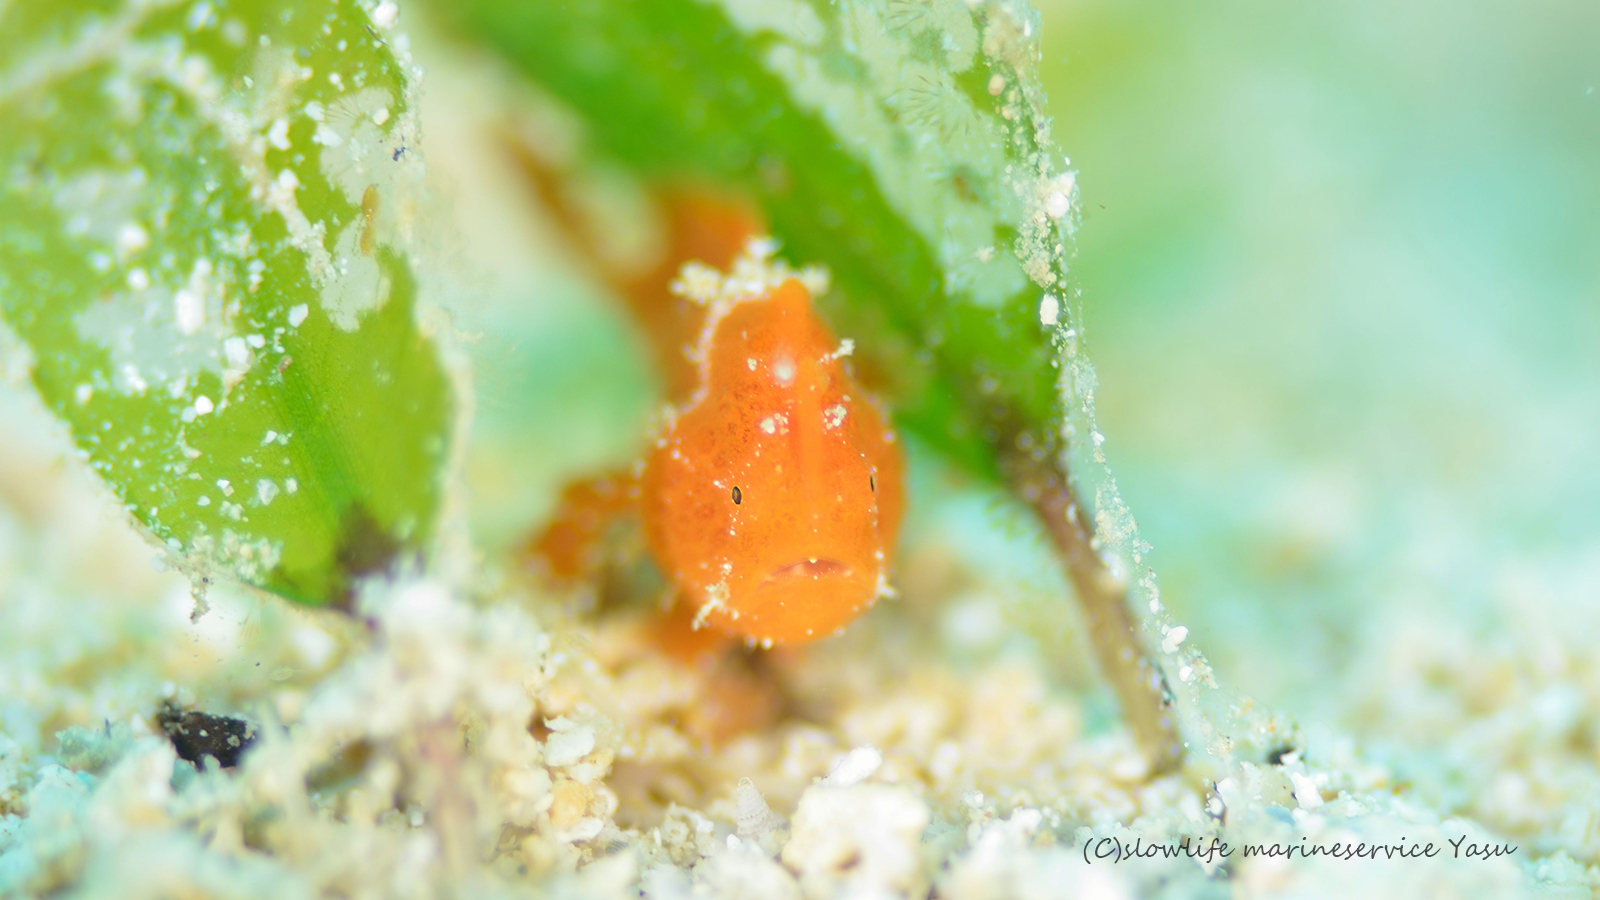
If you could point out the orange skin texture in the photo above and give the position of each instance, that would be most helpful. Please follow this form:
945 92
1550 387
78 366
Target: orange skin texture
805 548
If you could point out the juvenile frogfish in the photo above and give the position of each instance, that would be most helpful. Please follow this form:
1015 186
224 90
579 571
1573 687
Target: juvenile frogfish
773 496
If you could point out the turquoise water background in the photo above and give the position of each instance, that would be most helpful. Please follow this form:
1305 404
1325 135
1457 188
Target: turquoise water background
1340 268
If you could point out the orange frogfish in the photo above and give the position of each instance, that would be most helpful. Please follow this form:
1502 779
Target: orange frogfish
773 497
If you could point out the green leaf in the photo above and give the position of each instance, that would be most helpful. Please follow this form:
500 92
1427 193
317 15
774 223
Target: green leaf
201 242
892 142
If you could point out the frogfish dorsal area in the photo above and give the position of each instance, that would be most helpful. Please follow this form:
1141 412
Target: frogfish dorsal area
774 496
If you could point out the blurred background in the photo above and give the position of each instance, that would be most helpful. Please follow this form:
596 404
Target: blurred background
1340 268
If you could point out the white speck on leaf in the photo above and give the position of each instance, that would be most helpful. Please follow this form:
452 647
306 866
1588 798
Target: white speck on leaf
1059 201
385 14
200 16
190 311
131 238
1049 310
237 352
189 303
326 136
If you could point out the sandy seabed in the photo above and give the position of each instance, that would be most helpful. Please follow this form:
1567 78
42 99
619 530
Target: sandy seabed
475 740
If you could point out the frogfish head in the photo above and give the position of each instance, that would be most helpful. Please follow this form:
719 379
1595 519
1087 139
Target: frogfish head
773 500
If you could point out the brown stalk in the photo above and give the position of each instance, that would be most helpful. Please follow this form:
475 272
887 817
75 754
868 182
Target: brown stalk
1139 684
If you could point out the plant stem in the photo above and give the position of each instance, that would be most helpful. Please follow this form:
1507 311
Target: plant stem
1140 685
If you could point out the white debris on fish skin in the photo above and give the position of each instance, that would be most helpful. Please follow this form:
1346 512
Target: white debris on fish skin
755 273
